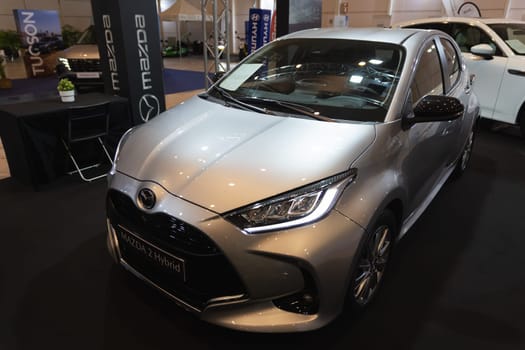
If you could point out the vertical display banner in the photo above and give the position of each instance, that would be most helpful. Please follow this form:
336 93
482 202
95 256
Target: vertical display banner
258 28
305 14
294 15
128 37
41 36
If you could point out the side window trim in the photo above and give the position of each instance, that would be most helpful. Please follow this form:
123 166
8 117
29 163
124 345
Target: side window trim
420 53
445 63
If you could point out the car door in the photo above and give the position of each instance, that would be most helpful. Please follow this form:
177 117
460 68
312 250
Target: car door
430 145
510 95
489 72
458 86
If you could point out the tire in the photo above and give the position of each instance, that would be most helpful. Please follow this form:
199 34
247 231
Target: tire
372 262
464 158
522 123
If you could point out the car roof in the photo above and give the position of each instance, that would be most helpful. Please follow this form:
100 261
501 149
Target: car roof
470 20
384 35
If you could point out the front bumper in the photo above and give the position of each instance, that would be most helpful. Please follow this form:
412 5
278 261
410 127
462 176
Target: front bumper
230 278
87 79
81 79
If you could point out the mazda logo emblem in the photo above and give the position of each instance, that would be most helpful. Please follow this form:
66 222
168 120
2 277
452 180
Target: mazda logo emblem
146 198
149 107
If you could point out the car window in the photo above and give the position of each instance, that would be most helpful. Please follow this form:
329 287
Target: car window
513 34
341 79
452 58
467 36
428 79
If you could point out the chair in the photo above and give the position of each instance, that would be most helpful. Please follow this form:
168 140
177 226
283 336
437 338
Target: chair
87 124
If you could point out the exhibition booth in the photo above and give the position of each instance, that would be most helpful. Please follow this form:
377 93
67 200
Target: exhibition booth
337 187
105 63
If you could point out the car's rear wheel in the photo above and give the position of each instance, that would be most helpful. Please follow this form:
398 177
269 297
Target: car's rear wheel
372 261
522 124
465 156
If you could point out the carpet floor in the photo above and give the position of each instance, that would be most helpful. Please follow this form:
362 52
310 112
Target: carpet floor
455 280
175 80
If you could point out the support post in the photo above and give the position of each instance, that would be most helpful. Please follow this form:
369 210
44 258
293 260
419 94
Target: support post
129 44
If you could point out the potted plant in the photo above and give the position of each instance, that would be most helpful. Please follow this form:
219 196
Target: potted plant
66 89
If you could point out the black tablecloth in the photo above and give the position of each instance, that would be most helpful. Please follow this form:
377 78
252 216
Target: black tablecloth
31 132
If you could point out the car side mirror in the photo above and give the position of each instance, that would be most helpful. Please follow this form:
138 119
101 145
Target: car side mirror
483 50
434 108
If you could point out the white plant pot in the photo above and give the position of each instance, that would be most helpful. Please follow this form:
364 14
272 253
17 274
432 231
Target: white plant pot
67 96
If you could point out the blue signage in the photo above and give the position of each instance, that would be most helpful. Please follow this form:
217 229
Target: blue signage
258 28
40 35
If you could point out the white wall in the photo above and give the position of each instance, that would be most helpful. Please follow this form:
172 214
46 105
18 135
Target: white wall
403 10
387 12
361 13
516 9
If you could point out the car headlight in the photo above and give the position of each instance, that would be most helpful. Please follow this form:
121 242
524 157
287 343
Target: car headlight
299 207
123 140
65 62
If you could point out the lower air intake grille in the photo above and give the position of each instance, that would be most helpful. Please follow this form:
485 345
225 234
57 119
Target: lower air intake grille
171 253
88 65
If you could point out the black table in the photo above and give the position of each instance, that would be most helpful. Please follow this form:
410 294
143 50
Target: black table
31 132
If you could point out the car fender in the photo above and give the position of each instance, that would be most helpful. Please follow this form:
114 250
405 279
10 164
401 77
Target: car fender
375 188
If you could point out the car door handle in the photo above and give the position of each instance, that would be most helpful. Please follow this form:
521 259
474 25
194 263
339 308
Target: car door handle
468 87
517 72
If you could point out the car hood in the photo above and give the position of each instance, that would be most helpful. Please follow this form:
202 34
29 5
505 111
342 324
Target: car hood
222 158
82 52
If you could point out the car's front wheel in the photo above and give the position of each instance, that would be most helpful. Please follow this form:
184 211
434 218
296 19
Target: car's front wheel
372 261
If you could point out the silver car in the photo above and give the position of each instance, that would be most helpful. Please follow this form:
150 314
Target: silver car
272 202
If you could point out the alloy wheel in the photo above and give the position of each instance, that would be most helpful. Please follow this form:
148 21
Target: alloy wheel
372 265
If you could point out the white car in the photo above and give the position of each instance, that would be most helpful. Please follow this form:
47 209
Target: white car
494 50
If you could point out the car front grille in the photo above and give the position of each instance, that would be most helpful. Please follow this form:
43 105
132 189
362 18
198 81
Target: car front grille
87 65
208 273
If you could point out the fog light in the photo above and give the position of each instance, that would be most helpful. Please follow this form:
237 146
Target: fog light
305 302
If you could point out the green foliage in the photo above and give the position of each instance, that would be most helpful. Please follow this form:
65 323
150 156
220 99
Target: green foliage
9 39
65 85
70 35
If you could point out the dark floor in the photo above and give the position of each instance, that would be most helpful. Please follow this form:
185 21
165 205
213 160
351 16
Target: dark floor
457 278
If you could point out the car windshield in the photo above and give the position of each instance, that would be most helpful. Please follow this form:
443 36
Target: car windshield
513 34
333 78
88 37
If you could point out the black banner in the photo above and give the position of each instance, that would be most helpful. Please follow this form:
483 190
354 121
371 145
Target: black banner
294 15
129 44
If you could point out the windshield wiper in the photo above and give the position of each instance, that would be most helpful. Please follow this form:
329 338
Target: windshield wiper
229 99
304 110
